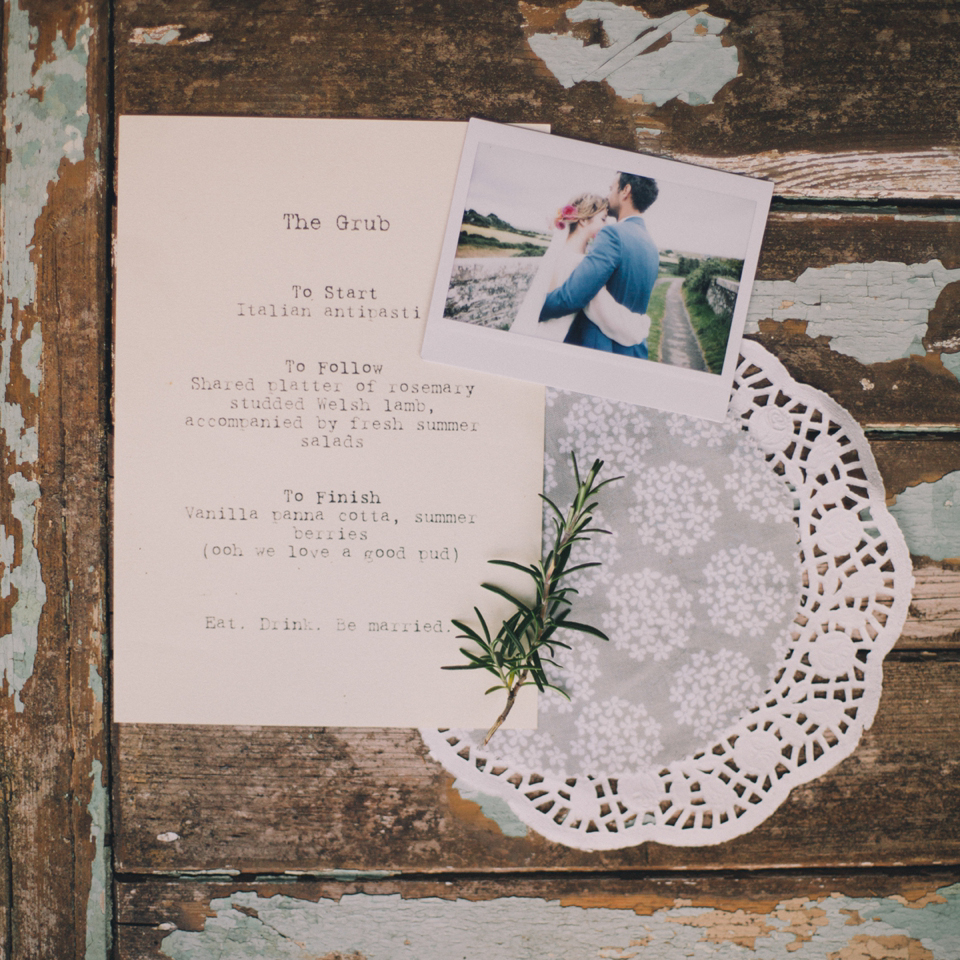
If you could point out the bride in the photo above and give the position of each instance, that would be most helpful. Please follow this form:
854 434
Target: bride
575 226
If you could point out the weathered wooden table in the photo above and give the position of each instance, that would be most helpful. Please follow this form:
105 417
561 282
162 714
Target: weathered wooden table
190 841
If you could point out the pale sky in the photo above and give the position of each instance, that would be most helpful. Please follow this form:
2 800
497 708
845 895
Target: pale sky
526 189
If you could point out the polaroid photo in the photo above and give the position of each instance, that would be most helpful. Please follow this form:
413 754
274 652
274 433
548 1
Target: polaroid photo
596 270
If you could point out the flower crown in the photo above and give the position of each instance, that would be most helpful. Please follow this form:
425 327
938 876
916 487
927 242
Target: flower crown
567 214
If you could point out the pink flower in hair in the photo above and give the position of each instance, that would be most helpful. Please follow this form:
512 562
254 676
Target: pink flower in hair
565 214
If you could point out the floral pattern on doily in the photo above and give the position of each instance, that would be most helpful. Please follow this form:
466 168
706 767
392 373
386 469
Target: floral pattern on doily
529 747
708 687
651 614
676 507
745 592
755 489
581 670
599 429
755 583
694 432
615 735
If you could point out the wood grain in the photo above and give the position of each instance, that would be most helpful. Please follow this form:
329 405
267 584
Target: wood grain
918 390
831 101
267 800
149 911
53 746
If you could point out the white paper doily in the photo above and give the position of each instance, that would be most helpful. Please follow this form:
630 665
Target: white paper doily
855 584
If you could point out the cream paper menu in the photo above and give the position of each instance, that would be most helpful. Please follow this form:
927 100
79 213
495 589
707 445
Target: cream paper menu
301 503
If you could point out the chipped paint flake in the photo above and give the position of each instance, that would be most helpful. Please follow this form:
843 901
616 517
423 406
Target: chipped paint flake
692 64
514 928
19 647
494 809
166 35
98 933
929 516
738 927
874 312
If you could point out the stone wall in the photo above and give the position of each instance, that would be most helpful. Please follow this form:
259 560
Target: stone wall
489 290
722 296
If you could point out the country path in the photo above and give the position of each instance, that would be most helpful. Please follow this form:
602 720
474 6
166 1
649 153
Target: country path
678 343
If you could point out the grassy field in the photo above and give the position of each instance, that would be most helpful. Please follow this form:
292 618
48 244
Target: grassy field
476 241
504 236
711 332
655 310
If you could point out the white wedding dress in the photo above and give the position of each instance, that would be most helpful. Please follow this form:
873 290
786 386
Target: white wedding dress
614 319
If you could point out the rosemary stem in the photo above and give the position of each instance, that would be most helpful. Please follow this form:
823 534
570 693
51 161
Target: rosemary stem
511 697
514 654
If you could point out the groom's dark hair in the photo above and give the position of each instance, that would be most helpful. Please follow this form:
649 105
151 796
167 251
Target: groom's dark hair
643 190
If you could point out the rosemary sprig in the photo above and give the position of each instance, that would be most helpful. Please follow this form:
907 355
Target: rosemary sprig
527 640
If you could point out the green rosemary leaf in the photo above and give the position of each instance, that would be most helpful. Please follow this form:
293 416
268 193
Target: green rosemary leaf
483 623
529 570
467 631
527 639
580 566
560 517
584 628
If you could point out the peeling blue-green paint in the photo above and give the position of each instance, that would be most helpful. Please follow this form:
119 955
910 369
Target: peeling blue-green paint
165 35
45 121
952 362
512 928
31 356
494 808
41 131
929 516
938 922
874 312
168 36
692 66
19 647
98 933
96 683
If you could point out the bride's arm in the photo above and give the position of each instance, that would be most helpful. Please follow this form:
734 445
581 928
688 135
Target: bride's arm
616 321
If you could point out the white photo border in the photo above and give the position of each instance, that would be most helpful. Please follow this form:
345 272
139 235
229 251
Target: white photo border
583 369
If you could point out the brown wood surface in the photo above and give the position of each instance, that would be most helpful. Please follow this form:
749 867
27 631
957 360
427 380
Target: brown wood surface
831 100
54 759
268 800
914 391
148 910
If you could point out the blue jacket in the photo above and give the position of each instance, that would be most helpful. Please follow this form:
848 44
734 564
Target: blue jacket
626 261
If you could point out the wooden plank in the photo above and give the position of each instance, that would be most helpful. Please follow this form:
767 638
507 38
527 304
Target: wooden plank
913 469
842 298
824 100
934 618
780 915
268 800
54 864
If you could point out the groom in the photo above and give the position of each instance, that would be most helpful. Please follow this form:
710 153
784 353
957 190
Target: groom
622 257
